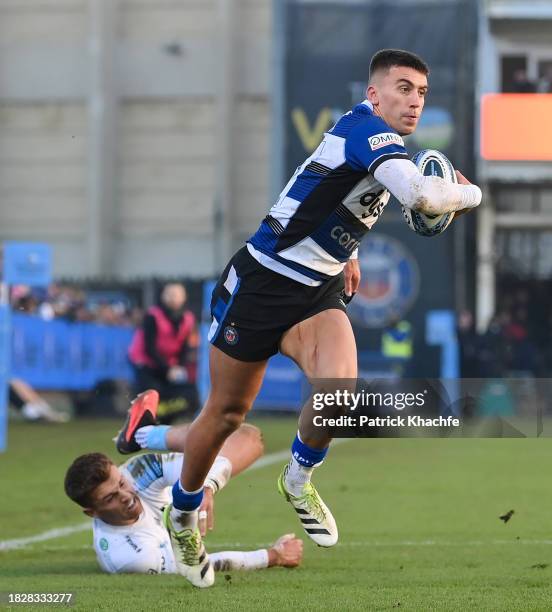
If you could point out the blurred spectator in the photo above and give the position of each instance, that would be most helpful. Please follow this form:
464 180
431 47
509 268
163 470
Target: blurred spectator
397 343
23 300
469 344
545 349
508 347
492 349
544 84
163 353
522 83
136 316
72 304
522 351
31 405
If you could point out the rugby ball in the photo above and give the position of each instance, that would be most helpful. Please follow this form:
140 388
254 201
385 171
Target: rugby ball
431 163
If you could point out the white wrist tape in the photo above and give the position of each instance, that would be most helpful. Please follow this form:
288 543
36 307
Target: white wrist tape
219 474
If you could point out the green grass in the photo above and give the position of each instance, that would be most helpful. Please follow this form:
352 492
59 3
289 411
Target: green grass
418 518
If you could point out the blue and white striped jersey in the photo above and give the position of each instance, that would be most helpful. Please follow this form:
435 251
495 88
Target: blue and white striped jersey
330 202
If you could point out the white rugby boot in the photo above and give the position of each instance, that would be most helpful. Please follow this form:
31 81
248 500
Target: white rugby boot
315 516
191 557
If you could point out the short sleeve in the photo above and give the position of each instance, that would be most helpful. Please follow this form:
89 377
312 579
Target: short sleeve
371 142
172 467
154 470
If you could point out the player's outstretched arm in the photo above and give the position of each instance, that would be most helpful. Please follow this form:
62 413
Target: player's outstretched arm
287 551
430 195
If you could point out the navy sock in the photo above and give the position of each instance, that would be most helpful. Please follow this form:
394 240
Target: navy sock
185 500
306 455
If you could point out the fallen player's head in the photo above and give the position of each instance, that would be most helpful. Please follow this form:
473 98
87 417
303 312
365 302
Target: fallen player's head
95 483
397 88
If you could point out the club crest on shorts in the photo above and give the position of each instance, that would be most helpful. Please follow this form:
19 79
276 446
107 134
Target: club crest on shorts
231 335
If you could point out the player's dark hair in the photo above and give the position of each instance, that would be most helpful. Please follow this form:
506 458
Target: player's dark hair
85 474
387 58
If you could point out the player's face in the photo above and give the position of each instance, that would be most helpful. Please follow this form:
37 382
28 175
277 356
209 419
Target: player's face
398 97
114 501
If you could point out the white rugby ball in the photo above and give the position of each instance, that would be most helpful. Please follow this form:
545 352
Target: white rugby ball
431 163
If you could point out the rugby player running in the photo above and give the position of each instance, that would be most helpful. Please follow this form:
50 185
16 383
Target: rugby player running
283 291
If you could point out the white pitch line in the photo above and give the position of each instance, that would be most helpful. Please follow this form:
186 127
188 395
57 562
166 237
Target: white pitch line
61 532
51 534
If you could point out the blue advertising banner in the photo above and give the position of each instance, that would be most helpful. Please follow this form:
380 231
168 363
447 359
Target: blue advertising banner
4 371
27 263
23 263
71 356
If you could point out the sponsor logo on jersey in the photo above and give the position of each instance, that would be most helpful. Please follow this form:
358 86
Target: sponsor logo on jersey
389 281
133 544
104 544
344 238
384 140
163 561
231 335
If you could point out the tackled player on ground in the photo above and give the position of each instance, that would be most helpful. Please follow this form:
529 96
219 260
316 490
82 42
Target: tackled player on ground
127 503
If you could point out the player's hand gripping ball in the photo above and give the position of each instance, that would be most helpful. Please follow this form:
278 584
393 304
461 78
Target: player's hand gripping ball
431 163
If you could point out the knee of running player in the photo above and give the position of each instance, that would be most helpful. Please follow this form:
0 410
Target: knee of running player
226 415
333 364
231 420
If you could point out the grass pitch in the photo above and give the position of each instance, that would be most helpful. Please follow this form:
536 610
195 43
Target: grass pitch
419 527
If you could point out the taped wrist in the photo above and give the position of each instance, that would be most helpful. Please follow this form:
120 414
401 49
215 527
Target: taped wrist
219 474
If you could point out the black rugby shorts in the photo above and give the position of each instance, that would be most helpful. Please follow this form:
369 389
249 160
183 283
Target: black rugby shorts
252 307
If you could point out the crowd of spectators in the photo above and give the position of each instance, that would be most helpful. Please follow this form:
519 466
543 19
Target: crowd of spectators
163 352
517 342
75 304
522 83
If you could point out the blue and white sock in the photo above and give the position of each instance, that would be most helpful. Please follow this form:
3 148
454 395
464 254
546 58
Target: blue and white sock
304 459
153 437
185 505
